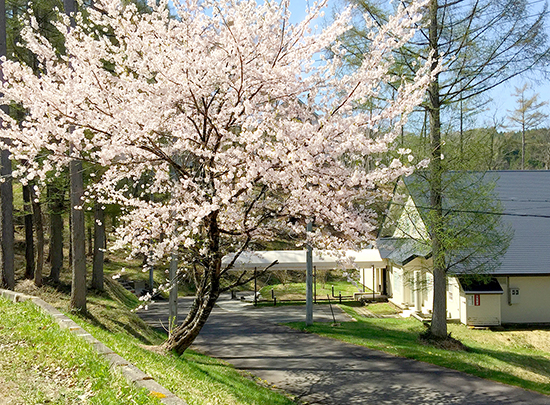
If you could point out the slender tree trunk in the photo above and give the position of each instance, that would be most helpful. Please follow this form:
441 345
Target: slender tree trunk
208 291
29 234
99 242
78 238
78 234
6 188
90 241
523 146
439 316
461 129
70 238
56 231
39 226
492 150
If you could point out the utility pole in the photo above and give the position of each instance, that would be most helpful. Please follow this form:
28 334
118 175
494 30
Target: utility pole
309 279
173 296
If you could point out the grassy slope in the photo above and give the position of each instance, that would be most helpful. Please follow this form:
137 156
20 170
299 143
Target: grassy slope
520 358
41 363
196 378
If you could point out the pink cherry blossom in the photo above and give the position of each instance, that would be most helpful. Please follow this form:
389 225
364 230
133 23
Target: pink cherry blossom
222 128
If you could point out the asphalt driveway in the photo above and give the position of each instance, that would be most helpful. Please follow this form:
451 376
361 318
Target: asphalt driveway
325 371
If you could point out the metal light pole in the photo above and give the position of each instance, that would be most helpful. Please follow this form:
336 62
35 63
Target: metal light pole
173 296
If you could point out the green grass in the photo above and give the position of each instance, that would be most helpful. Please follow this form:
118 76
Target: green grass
41 363
508 357
382 309
295 291
196 378
133 270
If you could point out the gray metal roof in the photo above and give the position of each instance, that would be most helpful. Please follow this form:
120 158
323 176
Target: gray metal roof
402 251
525 196
525 203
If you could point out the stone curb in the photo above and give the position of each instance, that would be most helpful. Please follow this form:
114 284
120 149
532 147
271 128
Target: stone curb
133 374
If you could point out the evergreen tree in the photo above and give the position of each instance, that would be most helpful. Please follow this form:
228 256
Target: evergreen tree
527 115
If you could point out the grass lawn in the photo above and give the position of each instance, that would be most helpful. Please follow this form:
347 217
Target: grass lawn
41 363
520 358
297 291
195 378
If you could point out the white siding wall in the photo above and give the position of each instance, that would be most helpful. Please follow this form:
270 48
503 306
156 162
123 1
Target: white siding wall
396 278
534 300
453 298
365 276
410 224
487 313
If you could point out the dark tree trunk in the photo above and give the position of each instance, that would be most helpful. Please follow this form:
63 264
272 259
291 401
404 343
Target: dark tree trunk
39 226
29 234
99 243
78 239
57 207
208 291
183 336
70 237
78 234
90 242
6 189
439 316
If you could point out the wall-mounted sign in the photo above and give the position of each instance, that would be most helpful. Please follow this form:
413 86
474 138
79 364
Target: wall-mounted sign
474 300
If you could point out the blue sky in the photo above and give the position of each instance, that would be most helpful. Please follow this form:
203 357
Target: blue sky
502 101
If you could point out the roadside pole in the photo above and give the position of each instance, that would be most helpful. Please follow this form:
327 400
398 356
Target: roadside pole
173 296
309 279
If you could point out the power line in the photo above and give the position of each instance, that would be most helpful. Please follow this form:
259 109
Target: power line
509 214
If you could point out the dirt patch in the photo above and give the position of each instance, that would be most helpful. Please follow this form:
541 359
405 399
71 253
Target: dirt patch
534 339
447 343
155 349
9 393
52 295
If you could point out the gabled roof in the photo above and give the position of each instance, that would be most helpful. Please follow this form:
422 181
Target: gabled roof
524 198
402 251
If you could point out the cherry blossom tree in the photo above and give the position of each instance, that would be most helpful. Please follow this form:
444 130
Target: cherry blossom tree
216 130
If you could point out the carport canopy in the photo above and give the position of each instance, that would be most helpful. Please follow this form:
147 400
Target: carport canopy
296 260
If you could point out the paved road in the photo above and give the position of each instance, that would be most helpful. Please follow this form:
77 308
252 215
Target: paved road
327 372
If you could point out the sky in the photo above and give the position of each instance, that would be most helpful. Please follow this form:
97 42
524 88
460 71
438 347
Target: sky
501 97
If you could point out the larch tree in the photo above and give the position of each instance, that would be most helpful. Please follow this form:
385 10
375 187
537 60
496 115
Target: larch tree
527 115
6 188
229 118
44 12
76 187
481 44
